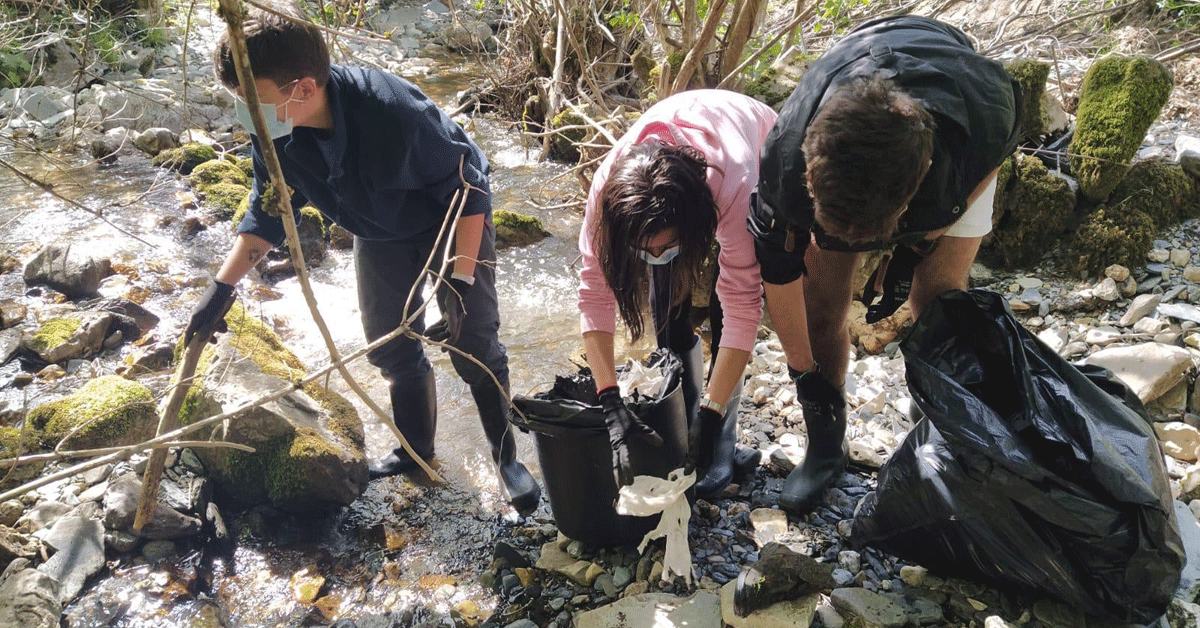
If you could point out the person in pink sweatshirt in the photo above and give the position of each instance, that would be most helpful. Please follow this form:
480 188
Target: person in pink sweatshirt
675 184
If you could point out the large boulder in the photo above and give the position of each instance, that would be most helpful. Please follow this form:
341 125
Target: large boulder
1111 236
120 508
77 335
1032 209
1031 75
308 444
108 411
79 553
1119 100
185 158
1161 191
72 273
28 597
218 171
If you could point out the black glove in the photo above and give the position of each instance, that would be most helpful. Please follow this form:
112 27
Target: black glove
702 433
451 294
895 285
622 426
210 311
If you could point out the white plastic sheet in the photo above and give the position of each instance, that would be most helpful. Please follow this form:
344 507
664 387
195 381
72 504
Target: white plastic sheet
649 495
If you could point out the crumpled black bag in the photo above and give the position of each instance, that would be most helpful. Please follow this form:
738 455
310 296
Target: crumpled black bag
1026 471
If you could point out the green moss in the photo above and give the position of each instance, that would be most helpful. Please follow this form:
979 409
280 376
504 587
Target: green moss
284 477
112 411
563 145
1161 191
1031 75
225 198
1119 100
53 333
643 66
1033 208
240 212
217 171
185 158
766 88
11 444
514 229
1110 236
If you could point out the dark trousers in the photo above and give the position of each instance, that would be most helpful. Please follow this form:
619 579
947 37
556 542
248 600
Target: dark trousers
386 274
673 323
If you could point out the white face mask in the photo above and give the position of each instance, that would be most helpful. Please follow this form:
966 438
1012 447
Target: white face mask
275 126
662 258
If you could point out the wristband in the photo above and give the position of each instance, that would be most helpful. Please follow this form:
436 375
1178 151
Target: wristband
467 279
719 408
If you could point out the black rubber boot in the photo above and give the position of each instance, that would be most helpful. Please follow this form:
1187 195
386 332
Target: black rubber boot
717 443
516 483
414 409
693 378
826 456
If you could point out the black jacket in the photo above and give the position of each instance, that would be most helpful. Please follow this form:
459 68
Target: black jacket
388 170
973 100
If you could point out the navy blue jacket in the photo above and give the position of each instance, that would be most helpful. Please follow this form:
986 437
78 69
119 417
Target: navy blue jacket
388 170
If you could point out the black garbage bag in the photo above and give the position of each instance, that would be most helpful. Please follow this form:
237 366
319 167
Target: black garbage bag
576 459
1026 471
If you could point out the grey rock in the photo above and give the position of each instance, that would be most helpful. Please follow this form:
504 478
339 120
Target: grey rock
1181 311
155 551
10 341
1187 151
1189 532
80 545
42 516
86 341
28 597
1182 614
925 612
604 583
156 140
1149 369
522 623
842 577
121 542
10 512
11 313
621 577
73 274
120 506
1141 307
866 609
702 610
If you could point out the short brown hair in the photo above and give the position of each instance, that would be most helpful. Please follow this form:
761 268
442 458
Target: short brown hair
866 152
283 49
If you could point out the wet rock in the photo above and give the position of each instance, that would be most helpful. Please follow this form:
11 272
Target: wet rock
702 610
108 411
10 511
28 597
553 558
309 444
514 229
768 523
306 584
105 148
14 545
1141 307
865 609
10 342
120 507
75 275
132 319
78 335
156 140
1118 101
185 158
1149 369
11 313
121 542
1182 614
80 545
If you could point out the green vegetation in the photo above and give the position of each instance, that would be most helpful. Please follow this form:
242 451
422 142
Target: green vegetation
1111 236
515 229
217 171
185 158
54 333
1033 208
1031 75
109 411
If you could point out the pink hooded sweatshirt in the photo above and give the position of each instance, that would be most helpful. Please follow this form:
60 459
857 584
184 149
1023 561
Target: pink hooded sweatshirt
729 129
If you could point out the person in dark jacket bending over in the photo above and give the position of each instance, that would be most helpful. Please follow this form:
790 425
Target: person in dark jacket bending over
891 141
376 156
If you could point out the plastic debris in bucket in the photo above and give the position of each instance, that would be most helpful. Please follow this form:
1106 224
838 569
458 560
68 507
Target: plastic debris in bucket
576 458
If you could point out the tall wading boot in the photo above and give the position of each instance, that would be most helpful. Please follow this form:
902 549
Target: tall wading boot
824 409
414 409
516 483
717 445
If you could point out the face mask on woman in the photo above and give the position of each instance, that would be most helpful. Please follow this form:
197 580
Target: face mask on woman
665 257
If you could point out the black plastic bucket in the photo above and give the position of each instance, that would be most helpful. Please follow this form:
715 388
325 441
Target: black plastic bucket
576 458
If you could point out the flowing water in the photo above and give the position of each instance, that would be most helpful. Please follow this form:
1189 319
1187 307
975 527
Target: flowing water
440 537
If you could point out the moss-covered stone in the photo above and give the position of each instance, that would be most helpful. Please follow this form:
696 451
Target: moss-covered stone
1032 209
563 144
108 411
1111 236
240 212
12 444
514 229
53 333
217 171
224 198
1119 100
246 165
1161 191
1031 75
185 158
285 468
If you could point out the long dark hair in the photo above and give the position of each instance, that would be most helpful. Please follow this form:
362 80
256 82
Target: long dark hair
653 187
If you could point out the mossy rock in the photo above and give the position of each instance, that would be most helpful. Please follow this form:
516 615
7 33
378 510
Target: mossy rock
1111 236
12 445
299 463
1161 191
53 333
76 335
1031 75
1033 208
217 171
1119 100
108 411
563 145
185 158
514 229
224 198
246 165
240 212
